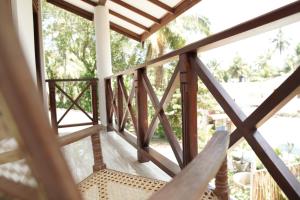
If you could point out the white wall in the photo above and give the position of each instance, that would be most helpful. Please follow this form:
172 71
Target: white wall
103 51
23 19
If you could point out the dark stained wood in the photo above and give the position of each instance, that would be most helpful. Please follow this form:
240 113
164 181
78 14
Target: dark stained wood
72 80
108 96
125 32
136 10
221 182
97 153
78 135
287 182
261 24
216 89
188 88
120 103
17 190
75 124
130 138
181 8
283 94
94 90
128 20
73 9
90 2
160 160
142 114
128 106
74 102
275 166
37 137
164 120
162 5
280 97
173 84
52 104
193 180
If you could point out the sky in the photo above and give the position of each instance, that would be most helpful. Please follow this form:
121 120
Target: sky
224 14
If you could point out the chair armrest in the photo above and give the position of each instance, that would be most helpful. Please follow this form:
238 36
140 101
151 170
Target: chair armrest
78 135
193 180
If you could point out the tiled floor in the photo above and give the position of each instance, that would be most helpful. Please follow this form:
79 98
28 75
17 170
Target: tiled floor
118 155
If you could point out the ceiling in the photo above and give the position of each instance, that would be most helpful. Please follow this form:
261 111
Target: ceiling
137 19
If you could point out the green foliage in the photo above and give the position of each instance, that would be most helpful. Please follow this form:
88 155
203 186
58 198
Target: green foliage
238 69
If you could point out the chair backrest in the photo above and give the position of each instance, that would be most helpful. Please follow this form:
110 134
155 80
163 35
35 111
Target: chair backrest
24 126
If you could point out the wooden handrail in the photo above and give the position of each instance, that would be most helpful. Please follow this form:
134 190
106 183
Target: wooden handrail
266 22
78 135
192 181
71 79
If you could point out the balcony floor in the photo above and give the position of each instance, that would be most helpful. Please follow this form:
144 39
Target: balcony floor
118 155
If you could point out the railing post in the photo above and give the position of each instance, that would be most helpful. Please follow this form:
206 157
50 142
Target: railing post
120 103
142 114
52 104
96 142
221 182
94 87
188 88
109 100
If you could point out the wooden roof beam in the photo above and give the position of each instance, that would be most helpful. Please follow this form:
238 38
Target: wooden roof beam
102 2
129 20
163 6
92 3
125 32
73 9
138 11
178 10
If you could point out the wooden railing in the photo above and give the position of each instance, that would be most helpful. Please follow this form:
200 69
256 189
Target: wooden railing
90 84
185 75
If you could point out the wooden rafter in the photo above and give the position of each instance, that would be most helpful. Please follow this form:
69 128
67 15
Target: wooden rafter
181 8
172 13
92 3
129 20
73 9
124 31
136 10
162 5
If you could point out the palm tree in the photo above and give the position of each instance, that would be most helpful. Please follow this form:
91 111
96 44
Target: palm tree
280 43
238 69
171 37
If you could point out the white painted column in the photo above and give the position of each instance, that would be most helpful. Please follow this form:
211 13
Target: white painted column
103 54
23 19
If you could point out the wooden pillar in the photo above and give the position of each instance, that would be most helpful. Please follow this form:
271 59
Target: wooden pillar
221 182
120 103
96 141
52 103
142 114
188 88
109 99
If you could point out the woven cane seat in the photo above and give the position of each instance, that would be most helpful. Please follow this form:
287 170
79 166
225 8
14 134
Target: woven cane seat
114 185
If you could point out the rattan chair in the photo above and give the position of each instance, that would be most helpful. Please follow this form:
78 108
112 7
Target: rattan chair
33 167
